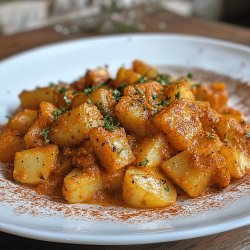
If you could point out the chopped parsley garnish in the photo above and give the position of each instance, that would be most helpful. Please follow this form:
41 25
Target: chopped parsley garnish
142 79
211 136
144 162
154 96
116 94
8 117
110 123
51 84
248 135
121 88
195 86
166 188
91 89
63 92
190 75
137 91
45 135
162 79
58 112
165 103
177 95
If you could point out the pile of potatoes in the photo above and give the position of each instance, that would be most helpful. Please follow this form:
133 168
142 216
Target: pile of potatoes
137 136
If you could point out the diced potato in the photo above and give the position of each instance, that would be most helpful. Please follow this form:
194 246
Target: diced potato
180 90
216 94
79 186
113 181
126 76
149 94
232 133
34 166
180 124
96 77
151 151
237 162
79 99
32 99
132 115
23 120
102 98
112 148
144 69
144 190
72 127
47 112
181 171
33 137
233 113
11 142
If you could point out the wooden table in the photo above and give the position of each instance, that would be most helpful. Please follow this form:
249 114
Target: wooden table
235 239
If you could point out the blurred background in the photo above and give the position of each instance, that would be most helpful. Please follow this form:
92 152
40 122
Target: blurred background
107 16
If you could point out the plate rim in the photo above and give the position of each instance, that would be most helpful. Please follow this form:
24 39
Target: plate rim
147 237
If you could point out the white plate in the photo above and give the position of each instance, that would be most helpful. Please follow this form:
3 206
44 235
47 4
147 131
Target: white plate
23 212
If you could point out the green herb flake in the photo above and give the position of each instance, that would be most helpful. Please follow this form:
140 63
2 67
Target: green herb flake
248 135
162 79
166 188
190 75
154 96
45 135
9 117
91 89
58 112
165 103
178 95
143 163
211 136
110 123
121 88
195 86
142 79
116 94
51 84
63 92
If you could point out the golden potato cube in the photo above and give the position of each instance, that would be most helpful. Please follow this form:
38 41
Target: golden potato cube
79 186
144 69
34 136
126 76
180 169
102 98
32 99
79 99
178 91
113 181
96 76
180 124
144 190
151 151
237 162
11 142
216 94
72 127
132 115
34 166
23 120
112 148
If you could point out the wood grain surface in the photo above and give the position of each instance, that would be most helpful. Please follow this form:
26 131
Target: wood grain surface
236 239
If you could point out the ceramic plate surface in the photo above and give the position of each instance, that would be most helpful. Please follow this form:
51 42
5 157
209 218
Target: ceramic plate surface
25 213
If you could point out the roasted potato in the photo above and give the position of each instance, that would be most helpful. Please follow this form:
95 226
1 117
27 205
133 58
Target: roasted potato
33 166
144 190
